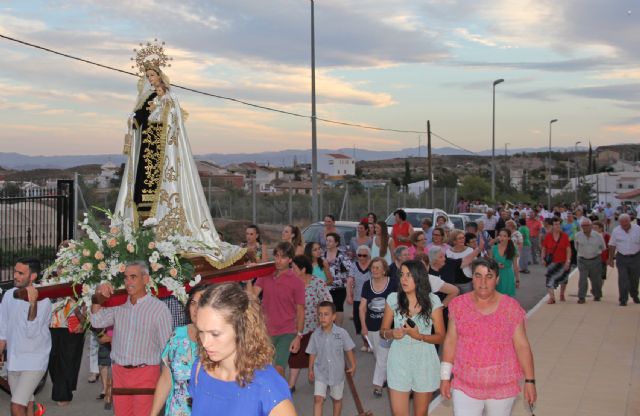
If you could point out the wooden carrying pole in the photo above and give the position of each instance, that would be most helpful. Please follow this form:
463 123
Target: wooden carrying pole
356 397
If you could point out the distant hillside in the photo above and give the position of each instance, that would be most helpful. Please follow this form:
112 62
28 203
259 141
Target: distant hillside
16 161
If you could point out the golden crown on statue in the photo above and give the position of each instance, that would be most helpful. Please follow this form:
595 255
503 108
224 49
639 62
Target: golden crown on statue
151 54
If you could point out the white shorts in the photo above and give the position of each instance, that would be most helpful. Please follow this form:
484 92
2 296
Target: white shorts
464 405
23 384
320 389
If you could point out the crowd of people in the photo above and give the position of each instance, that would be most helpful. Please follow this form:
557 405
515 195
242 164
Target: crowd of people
435 306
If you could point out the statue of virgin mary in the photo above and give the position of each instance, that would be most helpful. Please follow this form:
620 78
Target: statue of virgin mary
160 179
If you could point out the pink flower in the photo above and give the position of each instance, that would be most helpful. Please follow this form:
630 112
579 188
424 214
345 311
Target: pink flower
121 268
86 252
173 272
156 266
72 246
75 261
98 255
112 242
130 248
87 266
102 266
152 245
114 230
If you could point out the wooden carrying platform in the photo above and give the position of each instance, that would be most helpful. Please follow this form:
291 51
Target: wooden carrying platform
209 274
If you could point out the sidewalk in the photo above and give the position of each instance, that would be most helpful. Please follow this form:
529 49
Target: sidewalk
587 357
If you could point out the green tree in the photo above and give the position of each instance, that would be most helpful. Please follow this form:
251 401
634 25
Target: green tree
406 179
475 187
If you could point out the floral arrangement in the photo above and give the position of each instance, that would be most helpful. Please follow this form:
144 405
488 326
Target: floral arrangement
103 254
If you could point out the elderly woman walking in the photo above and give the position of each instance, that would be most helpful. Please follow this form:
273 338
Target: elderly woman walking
486 349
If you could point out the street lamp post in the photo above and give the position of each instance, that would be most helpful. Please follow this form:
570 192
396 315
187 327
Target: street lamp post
493 143
549 167
507 177
577 171
314 142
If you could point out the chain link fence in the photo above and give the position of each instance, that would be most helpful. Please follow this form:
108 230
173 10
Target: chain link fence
347 203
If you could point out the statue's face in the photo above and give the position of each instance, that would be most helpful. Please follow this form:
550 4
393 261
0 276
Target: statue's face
153 77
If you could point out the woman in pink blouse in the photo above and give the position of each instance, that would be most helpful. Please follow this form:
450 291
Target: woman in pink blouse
486 349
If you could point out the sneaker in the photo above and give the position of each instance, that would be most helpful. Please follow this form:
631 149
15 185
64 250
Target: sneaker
596 299
581 301
636 300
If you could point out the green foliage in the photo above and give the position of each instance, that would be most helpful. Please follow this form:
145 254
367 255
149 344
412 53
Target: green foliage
475 187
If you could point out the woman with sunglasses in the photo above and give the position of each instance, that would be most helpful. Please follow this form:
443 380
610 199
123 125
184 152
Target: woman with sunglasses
359 273
438 240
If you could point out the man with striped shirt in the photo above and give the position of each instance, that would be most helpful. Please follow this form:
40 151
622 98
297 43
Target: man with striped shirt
141 328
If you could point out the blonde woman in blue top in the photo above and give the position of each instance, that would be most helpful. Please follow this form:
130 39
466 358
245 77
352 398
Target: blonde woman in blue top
413 363
233 375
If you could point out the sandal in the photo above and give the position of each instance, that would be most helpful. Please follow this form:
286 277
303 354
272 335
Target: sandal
39 409
377 391
551 302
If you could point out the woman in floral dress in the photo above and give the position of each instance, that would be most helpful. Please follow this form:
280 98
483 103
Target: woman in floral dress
178 356
315 291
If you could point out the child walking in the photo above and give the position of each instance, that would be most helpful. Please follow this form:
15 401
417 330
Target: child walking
327 347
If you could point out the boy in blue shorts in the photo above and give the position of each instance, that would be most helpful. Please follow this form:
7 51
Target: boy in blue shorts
327 347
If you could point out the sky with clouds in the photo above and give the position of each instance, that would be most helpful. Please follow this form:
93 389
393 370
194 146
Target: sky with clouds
391 63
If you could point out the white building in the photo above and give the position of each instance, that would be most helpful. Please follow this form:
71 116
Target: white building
336 165
109 172
416 188
607 185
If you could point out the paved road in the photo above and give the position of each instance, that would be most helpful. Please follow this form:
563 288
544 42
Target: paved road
84 403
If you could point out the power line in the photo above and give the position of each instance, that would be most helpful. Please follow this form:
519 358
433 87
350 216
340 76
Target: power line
453 144
222 97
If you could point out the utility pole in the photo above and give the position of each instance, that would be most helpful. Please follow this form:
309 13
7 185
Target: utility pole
429 165
314 139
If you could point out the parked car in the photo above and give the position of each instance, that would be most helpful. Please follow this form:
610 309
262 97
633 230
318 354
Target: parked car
459 221
474 216
416 215
346 230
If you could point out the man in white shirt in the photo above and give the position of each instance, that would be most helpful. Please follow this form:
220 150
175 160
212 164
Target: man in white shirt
625 240
490 221
24 330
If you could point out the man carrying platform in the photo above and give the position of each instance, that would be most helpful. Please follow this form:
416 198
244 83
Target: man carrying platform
141 328
24 330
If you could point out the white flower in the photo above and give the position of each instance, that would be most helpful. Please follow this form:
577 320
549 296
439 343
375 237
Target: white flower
195 280
150 222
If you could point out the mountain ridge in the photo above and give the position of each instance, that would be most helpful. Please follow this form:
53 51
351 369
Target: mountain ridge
18 161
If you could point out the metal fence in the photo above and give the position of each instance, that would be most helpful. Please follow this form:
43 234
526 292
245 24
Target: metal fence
33 223
349 203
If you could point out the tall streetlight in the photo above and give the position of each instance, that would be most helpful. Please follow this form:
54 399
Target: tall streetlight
507 178
575 161
549 167
314 142
493 143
